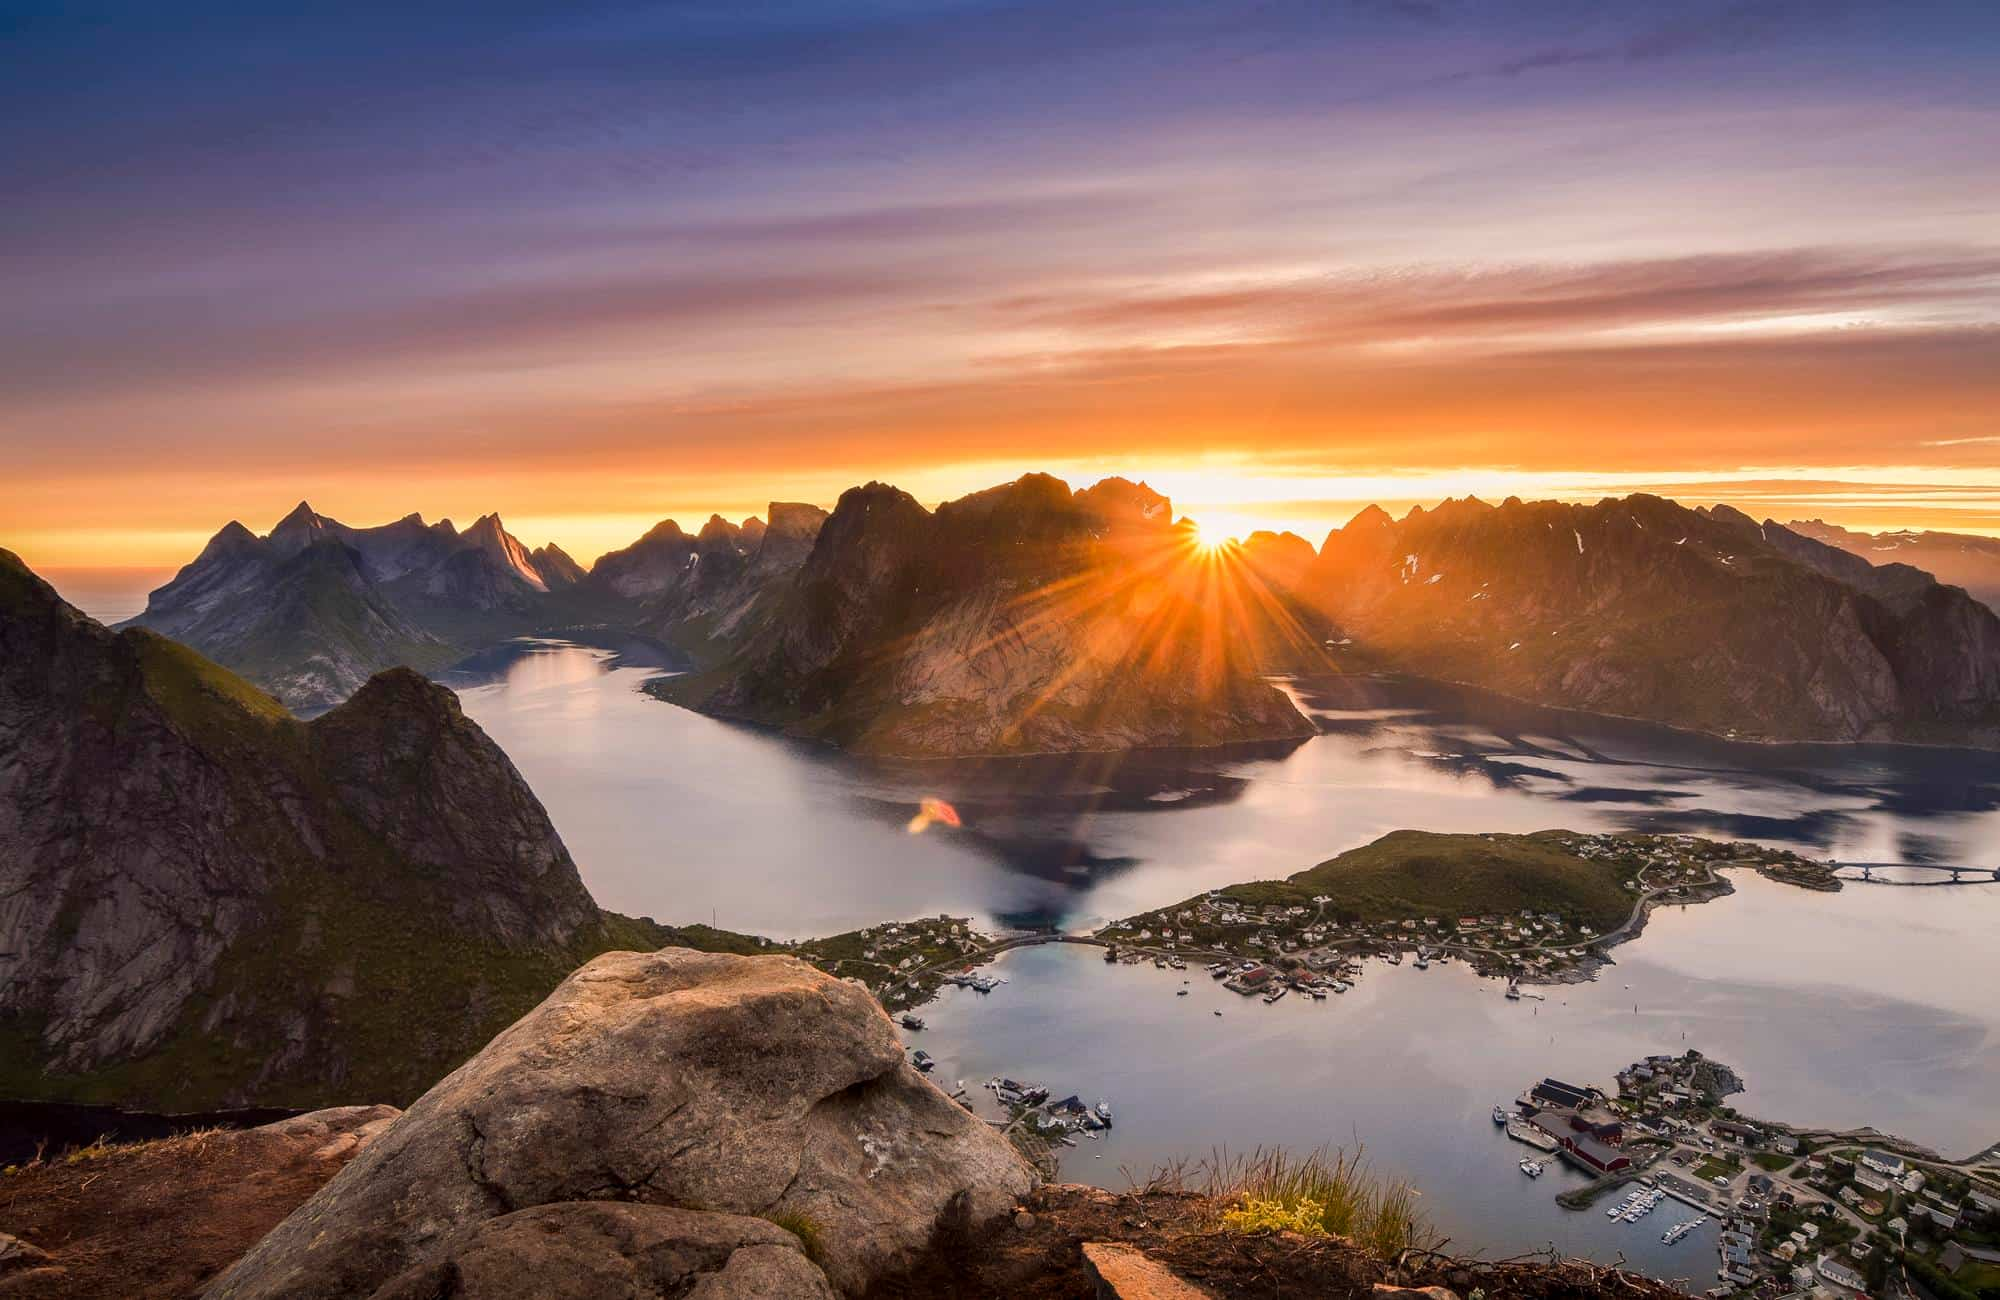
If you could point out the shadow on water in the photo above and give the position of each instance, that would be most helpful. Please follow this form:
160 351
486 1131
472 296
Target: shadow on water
1647 767
670 811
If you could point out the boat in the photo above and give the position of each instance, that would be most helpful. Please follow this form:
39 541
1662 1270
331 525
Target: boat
1103 1109
1274 995
1500 1115
1423 961
923 1061
1394 959
1513 991
911 1022
1522 1131
1218 1013
1341 986
1180 993
1680 1230
1531 1167
1218 971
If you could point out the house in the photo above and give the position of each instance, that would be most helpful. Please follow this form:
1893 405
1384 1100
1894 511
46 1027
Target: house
1840 1274
1870 1179
1598 1157
1554 1092
1884 1163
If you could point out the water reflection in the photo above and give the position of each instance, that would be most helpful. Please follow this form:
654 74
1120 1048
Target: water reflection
680 816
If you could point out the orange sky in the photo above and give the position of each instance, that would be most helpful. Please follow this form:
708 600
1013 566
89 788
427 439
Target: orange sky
1279 260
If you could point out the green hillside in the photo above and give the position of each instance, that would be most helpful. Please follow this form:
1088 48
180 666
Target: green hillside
1422 873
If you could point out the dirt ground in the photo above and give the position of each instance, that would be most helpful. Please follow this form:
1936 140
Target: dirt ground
155 1220
1044 1261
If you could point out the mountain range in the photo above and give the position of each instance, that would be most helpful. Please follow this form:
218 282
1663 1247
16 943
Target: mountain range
206 901
1029 618
1702 618
314 608
1961 559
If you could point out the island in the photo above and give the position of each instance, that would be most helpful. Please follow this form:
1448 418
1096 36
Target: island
1534 908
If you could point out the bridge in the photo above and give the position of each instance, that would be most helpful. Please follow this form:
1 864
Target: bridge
1961 875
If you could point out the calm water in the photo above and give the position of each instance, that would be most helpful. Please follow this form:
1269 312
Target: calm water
678 815
1871 1006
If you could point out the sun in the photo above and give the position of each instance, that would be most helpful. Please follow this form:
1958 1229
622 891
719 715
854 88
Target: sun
1207 537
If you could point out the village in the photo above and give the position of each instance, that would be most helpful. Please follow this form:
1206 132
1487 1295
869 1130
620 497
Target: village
1802 1212
1301 941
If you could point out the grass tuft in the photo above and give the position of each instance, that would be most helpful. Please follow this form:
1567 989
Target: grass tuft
1327 1191
807 1229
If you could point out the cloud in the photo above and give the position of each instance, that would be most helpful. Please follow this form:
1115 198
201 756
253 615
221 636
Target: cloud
1519 303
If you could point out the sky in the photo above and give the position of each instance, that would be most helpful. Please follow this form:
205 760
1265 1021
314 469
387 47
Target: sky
595 264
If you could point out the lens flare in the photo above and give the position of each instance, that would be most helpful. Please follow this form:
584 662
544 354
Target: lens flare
932 812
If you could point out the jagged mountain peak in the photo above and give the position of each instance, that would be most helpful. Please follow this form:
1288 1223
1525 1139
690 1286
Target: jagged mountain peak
718 529
301 515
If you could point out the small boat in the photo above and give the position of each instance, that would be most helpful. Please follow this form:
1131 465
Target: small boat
911 1022
1218 1013
1423 961
1274 995
1500 1115
1180 993
923 1061
1341 986
1532 1168
1513 991
1103 1109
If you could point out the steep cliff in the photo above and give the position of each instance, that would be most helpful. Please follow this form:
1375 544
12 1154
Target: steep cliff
205 900
1020 619
1645 608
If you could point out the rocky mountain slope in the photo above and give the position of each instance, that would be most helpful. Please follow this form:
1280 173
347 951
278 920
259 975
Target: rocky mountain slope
1022 619
204 900
1645 608
1961 559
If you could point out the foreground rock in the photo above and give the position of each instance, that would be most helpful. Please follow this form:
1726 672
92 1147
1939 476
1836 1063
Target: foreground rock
603 1250
741 1086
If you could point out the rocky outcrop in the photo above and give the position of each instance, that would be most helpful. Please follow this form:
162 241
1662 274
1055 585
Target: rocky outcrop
667 1083
205 901
1021 619
600 1250
1645 608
